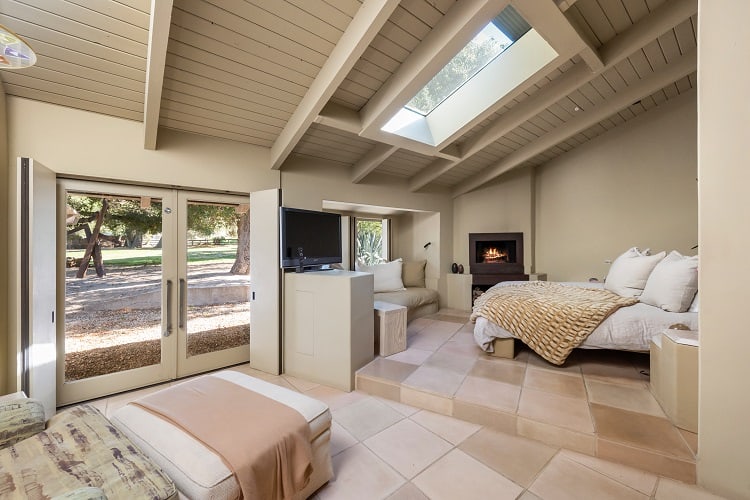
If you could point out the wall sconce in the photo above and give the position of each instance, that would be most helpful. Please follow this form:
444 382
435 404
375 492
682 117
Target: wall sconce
15 53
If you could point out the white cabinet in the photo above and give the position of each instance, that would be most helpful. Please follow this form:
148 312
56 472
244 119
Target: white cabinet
674 376
459 291
328 326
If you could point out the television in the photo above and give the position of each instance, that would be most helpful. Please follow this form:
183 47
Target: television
309 238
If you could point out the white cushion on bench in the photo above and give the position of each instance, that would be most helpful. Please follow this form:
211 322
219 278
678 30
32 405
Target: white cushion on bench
197 471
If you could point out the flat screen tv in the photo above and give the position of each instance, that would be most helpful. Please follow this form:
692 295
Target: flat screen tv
314 237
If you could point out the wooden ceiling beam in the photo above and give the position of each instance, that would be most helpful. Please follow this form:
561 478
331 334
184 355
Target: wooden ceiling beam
658 22
680 68
547 19
365 25
371 161
158 39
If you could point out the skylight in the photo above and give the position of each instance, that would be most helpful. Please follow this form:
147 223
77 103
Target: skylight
506 54
480 51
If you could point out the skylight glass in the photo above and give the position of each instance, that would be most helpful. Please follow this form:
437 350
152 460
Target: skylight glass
494 38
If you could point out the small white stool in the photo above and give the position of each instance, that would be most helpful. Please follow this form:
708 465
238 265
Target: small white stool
390 328
674 376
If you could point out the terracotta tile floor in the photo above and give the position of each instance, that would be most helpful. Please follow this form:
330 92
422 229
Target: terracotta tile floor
386 449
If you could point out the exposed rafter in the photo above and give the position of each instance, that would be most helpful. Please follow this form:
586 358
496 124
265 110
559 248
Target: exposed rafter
659 21
551 23
367 22
158 38
677 69
371 161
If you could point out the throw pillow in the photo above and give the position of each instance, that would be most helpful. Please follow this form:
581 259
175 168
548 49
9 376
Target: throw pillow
413 273
629 272
386 276
673 283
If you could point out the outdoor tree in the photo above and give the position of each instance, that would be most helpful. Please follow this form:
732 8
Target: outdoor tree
463 66
369 241
125 221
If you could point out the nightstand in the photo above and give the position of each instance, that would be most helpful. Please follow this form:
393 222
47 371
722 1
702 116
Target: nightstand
674 376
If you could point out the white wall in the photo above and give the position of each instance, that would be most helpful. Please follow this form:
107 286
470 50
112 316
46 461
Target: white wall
80 143
632 186
724 149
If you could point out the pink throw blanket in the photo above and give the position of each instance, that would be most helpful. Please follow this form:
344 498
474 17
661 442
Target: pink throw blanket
265 443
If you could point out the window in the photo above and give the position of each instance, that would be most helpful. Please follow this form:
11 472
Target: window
371 240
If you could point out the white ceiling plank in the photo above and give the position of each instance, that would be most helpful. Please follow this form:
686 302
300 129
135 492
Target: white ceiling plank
453 32
158 38
663 18
681 67
71 101
364 27
371 161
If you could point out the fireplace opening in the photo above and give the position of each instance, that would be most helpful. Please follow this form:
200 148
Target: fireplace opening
496 253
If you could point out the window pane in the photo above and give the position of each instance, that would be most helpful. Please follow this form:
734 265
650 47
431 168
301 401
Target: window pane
489 43
369 241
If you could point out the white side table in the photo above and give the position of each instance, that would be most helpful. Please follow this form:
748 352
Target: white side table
390 328
674 376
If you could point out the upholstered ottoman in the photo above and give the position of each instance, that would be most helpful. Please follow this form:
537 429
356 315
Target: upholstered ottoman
199 472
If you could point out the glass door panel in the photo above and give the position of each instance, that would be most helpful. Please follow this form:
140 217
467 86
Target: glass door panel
115 322
215 291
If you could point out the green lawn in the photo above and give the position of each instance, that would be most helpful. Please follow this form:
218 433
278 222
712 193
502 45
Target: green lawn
152 256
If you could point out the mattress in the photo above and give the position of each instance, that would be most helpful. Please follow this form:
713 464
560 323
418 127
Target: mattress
629 328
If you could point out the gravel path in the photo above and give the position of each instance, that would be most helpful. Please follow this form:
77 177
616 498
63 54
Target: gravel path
106 341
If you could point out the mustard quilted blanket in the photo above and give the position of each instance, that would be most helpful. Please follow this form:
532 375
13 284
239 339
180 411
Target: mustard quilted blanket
551 318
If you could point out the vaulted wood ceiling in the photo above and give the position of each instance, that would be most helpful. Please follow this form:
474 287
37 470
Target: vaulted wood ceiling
317 79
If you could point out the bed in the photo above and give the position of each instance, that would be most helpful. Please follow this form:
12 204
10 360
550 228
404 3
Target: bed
629 328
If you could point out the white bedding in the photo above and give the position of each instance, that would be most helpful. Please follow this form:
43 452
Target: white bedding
629 328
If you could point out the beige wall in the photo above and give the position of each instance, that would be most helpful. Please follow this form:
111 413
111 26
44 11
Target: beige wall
305 183
4 208
633 186
80 143
724 149
503 207
416 229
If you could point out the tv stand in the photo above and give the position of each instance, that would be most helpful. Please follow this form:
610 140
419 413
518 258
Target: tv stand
328 326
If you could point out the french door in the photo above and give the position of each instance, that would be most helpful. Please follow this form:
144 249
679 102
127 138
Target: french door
156 286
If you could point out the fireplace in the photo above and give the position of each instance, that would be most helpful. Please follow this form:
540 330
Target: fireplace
496 253
495 257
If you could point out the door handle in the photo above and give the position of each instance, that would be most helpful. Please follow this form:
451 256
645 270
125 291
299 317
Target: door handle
183 304
168 330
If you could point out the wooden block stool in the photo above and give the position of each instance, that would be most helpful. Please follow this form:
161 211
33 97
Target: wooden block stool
390 328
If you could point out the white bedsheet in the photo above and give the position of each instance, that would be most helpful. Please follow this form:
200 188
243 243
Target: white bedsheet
629 328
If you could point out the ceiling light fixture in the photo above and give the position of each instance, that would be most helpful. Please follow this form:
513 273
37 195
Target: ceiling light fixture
15 53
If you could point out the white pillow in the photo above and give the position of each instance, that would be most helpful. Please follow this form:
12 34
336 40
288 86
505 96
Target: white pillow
673 283
387 276
629 272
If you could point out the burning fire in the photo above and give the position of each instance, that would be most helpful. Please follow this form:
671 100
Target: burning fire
494 255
